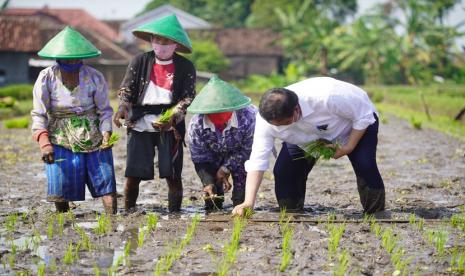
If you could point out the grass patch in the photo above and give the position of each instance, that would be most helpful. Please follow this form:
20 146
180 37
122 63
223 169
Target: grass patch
22 122
441 123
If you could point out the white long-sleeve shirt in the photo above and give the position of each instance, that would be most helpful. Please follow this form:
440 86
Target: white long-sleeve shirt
330 110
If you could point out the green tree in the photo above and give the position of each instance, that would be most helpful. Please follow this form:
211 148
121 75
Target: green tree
207 56
307 36
367 44
263 13
225 13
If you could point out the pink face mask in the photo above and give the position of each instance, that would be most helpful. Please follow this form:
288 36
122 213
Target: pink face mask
163 51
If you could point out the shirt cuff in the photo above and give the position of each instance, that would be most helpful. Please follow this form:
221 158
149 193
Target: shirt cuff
364 122
256 165
105 126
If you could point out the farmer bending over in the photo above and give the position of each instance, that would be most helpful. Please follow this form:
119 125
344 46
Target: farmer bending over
316 108
220 140
157 81
71 120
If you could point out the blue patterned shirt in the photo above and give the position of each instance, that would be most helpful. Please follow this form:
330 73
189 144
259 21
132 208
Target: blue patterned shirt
230 148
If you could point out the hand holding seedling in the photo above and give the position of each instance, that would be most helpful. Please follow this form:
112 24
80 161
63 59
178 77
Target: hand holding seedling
222 176
122 114
106 139
208 190
342 150
163 125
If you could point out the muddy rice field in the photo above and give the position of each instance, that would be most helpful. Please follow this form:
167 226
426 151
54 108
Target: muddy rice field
422 232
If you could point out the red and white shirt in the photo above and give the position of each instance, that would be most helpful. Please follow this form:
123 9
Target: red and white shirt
159 91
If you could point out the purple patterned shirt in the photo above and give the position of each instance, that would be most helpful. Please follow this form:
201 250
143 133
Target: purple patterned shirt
231 148
50 94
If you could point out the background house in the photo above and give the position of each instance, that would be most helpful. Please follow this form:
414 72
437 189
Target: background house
250 51
25 32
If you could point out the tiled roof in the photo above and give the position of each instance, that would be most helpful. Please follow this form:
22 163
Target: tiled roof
30 33
248 42
73 17
21 33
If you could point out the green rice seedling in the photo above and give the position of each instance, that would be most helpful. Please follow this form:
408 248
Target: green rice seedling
342 264
437 238
282 216
70 216
420 224
103 224
286 246
50 226
458 221
388 240
368 218
190 231
53 266
416 123
96 270
61 223
68 258
127 249
152 220
457 261
331 217
36 239
231 248
174 250
399 262
85 241
24 217
319 148
412 219
41 269
10 222
141 237
335 235
16 123
166 116
113 139
248 213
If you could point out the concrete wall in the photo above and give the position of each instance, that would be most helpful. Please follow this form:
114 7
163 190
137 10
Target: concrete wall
14 68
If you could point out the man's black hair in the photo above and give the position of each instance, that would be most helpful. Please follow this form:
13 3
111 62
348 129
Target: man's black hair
278 104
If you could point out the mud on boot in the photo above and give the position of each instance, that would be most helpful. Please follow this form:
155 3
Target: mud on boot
174 202
238 196
291 204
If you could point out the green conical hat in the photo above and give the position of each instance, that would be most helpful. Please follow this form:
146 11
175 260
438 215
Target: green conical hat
69 44
168 27
218 96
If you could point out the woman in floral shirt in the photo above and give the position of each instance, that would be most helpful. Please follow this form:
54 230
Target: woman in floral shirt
220 140
71 121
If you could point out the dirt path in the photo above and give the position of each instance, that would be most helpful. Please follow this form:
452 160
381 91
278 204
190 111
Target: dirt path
423 171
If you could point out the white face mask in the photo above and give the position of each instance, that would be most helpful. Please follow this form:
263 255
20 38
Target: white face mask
163 51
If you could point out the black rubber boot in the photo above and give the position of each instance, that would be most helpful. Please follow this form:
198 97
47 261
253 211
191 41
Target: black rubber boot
238 196
291 204
373 200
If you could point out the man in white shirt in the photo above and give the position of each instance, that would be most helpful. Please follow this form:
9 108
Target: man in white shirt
316 108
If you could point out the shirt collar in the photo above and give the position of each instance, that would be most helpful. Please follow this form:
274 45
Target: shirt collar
231 123
304 107
163 62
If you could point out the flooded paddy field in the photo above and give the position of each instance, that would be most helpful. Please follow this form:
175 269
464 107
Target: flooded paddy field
422 231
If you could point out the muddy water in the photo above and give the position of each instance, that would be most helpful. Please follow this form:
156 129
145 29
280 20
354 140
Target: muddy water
423 171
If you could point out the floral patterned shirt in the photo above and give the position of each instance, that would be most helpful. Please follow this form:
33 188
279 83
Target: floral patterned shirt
230 148
51 95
